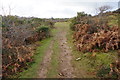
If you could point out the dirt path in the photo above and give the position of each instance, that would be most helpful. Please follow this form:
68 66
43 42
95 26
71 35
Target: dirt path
65 68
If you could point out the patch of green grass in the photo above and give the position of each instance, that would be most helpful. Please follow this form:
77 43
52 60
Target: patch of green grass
113 20
32 71
53 31
53 71
62 24
113 23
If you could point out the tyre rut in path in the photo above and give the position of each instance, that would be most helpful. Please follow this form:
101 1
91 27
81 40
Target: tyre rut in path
66 69
44 66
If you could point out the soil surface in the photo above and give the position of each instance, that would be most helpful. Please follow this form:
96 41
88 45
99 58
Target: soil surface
66 69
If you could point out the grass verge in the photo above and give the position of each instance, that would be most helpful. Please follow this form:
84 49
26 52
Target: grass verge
39 54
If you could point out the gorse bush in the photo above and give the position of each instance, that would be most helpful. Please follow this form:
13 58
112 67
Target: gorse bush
81 14
42 29
81 18
73 22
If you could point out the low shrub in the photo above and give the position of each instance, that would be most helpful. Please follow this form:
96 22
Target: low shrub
43 29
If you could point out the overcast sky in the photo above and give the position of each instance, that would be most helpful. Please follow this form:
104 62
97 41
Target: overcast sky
53 8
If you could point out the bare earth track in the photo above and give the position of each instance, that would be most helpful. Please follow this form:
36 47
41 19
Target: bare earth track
65 69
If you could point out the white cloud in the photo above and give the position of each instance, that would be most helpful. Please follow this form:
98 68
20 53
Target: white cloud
51 8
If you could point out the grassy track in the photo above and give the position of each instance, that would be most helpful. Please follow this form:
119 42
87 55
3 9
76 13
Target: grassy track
54 67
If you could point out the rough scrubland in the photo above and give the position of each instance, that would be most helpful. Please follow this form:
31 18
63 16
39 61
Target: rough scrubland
18 37
87 48
98 41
